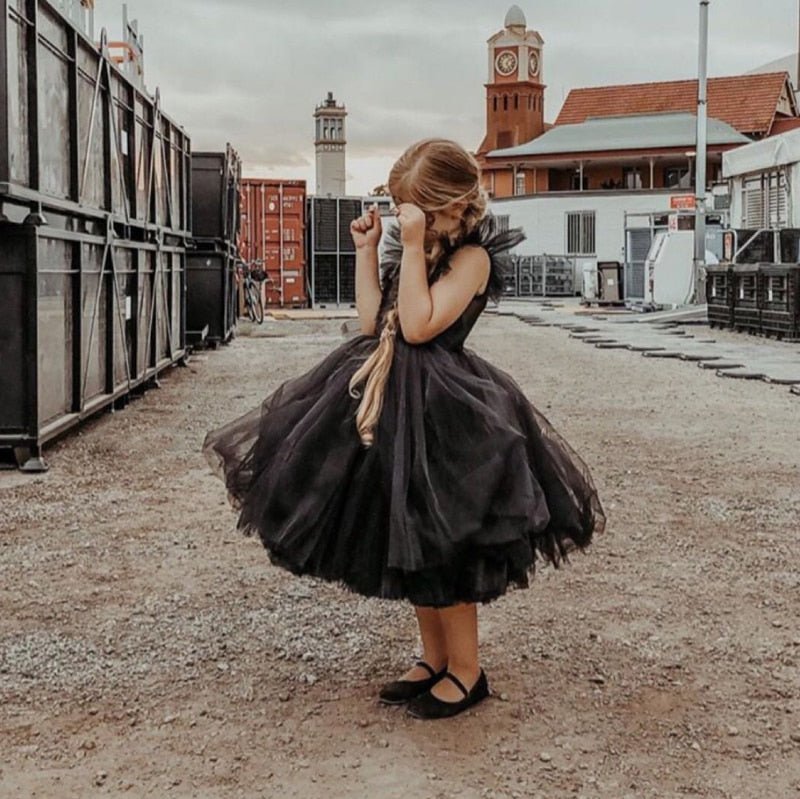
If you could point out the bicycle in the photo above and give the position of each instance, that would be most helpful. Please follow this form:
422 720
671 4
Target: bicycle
253 276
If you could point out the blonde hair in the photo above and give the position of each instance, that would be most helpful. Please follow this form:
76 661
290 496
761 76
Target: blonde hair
433 174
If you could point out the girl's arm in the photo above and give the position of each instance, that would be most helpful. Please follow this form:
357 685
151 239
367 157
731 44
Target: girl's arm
368 289
425 311
366 232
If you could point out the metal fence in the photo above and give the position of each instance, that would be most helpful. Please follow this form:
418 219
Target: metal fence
541 276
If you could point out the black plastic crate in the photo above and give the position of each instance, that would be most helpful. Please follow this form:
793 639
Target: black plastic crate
719 296
348 211
325 279
347 279
746 307
790 245
755 247
210 296
779 293
216 189
324 230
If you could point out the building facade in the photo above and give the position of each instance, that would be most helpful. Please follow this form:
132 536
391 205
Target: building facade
627 137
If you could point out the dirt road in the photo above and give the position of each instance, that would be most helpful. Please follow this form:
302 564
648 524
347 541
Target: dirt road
147 649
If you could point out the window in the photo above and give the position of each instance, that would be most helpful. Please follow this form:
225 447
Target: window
519 183
575 181
505 103
516 101
631 177
580 232
677 177
765 201
502 222
495 104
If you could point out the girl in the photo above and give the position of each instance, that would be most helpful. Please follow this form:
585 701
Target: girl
403 465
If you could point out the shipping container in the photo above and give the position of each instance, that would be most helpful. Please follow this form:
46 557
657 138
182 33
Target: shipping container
88 318
76 134
273 231
216 183
94 216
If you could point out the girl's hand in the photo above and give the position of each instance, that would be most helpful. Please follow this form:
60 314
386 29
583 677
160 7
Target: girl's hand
366 230
412 224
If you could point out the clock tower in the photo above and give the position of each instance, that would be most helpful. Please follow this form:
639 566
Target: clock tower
515 91
330 144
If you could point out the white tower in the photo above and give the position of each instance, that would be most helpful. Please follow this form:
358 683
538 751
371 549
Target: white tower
330 143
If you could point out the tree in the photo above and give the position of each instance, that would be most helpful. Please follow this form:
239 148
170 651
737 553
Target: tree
380 191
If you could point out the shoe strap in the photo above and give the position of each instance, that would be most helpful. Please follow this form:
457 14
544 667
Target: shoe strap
427 666
457 682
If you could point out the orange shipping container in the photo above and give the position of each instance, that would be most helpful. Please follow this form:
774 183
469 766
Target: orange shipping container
273 232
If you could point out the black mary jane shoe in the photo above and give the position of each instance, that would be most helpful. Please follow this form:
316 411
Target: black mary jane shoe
428 706
399 691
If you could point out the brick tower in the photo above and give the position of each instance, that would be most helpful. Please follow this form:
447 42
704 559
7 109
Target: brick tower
514 92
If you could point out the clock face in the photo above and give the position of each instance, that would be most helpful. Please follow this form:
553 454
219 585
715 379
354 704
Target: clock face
533 64
506 62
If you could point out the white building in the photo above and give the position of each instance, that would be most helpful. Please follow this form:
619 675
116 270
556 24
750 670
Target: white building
764 179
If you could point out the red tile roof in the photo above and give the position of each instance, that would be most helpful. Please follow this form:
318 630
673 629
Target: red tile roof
746 102
782 124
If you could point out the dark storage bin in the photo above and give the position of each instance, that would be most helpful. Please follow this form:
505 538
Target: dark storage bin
216 187
758 246
746 307
719 296
790 246
325 228
210 295
324 285
348 211
332 250
610 281
76 135
88 317
779 291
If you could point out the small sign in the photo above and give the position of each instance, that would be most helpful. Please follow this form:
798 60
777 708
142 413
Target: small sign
673 223
682 202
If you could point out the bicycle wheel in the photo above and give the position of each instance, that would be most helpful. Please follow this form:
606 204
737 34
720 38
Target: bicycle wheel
250 300
258 308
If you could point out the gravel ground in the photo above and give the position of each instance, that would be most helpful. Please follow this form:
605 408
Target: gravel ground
148 649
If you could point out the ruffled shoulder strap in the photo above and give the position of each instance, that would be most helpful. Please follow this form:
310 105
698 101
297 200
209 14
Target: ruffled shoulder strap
487 234
497 243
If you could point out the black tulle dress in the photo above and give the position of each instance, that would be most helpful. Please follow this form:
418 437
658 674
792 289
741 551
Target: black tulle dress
466 486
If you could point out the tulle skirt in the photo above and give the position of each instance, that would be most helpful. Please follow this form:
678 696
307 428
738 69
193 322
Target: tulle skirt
466 487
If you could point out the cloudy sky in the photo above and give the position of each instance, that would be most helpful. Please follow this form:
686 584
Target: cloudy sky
251 71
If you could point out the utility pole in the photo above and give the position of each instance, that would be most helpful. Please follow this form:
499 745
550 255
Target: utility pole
700 161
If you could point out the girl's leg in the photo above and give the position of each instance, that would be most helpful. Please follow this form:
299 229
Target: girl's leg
434 647
460 624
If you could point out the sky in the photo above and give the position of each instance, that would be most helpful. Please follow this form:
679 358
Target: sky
251 72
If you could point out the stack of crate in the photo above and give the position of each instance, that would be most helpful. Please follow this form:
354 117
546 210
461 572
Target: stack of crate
756 298
332 253
211 308
94 187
